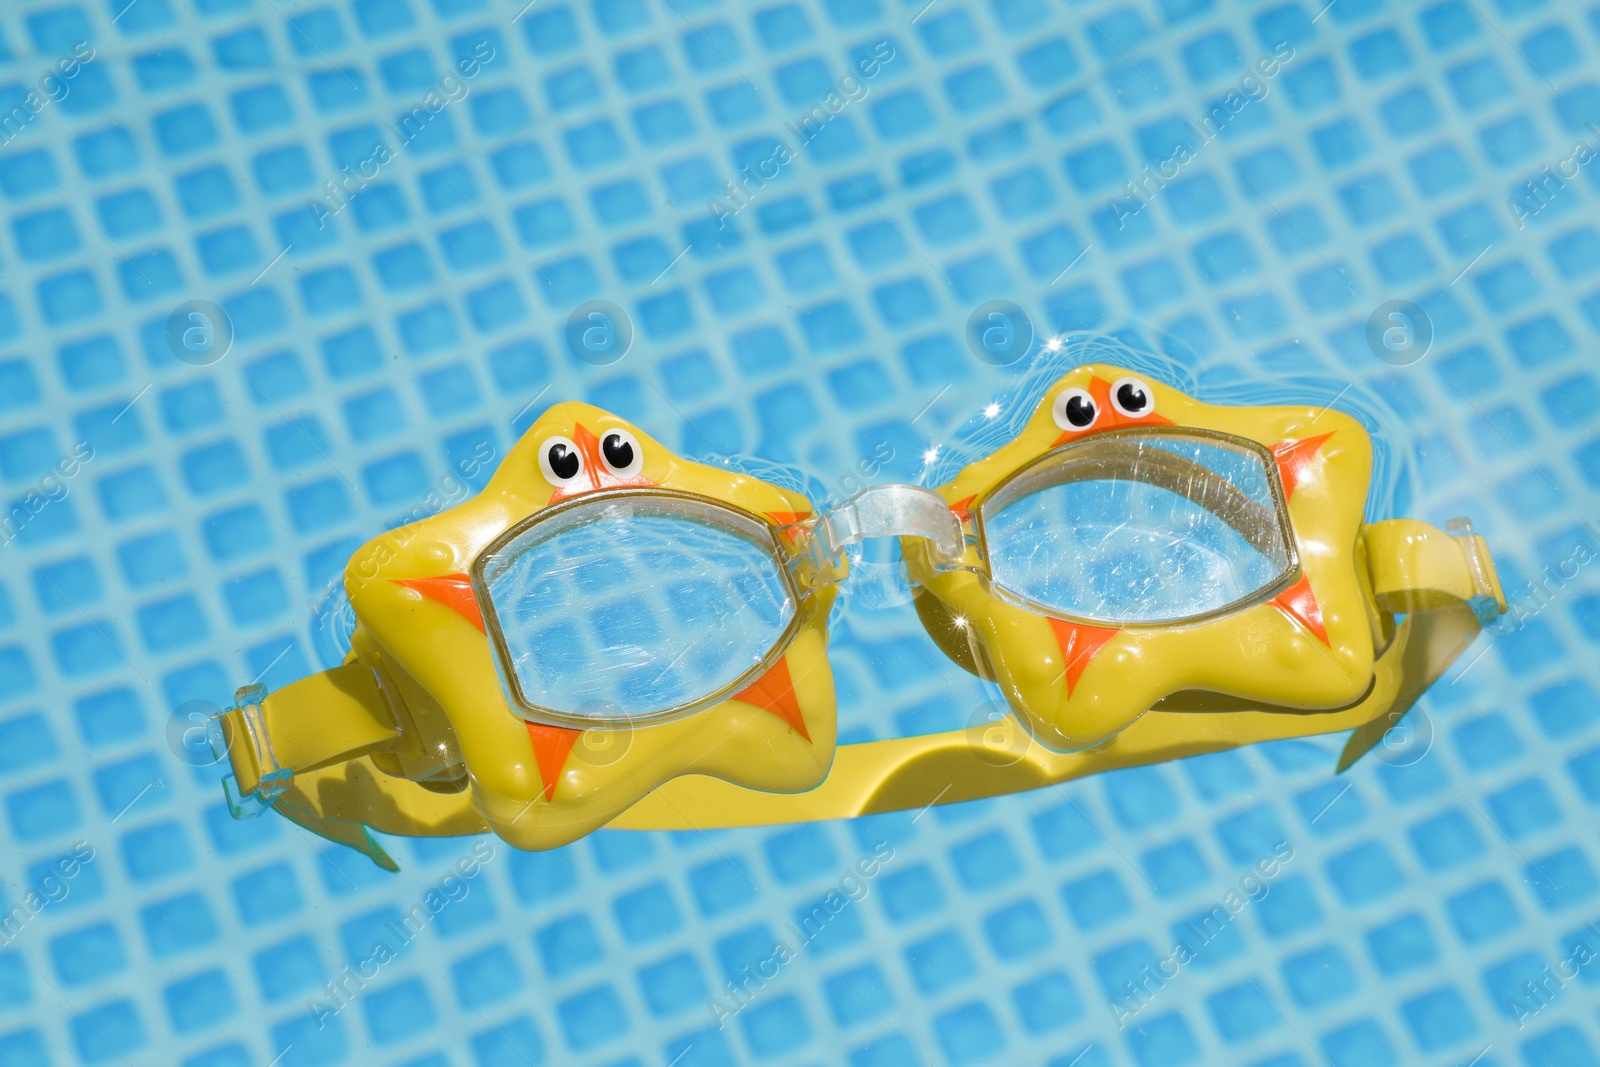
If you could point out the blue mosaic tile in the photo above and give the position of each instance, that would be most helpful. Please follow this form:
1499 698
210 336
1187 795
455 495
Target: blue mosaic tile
393 336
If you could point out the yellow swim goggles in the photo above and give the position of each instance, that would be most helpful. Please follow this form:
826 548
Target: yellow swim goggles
611 634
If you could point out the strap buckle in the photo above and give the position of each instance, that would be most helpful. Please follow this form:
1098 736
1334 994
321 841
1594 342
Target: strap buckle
222 731
1486 601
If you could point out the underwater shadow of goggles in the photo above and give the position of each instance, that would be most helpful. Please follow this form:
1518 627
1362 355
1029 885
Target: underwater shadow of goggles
611 634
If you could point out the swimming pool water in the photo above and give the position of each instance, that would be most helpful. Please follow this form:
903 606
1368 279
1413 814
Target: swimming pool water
181 517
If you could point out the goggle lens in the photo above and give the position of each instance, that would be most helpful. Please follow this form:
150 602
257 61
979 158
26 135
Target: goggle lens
628 610
1147 528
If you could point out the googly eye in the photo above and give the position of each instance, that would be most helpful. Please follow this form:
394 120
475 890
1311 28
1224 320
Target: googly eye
620 452
560 461
1074 410
1132 397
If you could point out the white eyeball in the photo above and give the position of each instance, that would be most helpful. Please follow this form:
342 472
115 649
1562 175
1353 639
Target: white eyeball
1074 410
1132 397
620 452
560 461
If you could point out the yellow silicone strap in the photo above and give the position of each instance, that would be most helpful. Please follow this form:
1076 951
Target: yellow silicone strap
352 719
1418 567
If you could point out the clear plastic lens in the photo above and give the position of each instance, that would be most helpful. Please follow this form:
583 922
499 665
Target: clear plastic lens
631 609
1140 528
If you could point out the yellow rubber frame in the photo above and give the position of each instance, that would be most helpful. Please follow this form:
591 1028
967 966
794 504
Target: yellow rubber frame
413 735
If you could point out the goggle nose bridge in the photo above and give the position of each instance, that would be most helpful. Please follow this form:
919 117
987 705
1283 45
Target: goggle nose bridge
894 510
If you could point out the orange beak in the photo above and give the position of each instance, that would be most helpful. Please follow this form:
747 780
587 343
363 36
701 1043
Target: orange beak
1109 418
595 475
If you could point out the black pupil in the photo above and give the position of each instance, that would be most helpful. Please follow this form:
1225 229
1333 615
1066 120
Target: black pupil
1131 397
1080 411
564 461
618 452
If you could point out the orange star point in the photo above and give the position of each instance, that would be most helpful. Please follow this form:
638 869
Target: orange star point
1294 460
785 519
774 692
454 591
1079 644
551 747
1300 604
